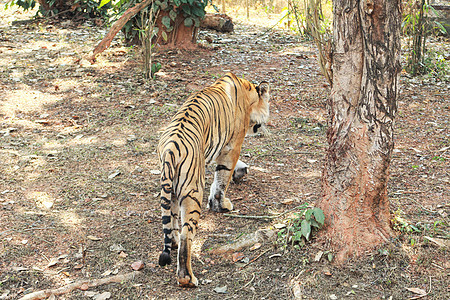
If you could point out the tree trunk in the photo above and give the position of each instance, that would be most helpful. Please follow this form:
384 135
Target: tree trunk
181 37
362 107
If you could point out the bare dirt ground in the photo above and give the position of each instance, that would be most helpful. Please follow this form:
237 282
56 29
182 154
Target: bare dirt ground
79 183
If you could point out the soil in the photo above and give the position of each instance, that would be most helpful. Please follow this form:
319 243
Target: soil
79 173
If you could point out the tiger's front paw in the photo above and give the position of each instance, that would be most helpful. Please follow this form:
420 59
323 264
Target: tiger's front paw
226 205
220 206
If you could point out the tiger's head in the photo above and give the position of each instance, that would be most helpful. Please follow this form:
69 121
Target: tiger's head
259 109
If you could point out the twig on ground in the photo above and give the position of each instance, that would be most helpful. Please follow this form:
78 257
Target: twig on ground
265 217
82 284
421 206
253 260
248 283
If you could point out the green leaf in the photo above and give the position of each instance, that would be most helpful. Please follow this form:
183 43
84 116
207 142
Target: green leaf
198 11
308 214
188 22
440 27
164 5
186 9
166 21
197 22
297 236
164 35
177 2
172 15
330 256
103 2
314 223
155 68
306 229
318 215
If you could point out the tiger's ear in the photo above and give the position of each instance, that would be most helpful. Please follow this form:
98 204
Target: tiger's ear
263 90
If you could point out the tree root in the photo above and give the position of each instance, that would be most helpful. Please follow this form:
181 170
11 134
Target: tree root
82 285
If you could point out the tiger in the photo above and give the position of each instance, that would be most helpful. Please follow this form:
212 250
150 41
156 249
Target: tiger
209 127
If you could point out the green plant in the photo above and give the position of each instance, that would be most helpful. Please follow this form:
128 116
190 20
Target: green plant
25 4
300 228
435 64
399 223
87 8
146 35
172 13
418 27
440 158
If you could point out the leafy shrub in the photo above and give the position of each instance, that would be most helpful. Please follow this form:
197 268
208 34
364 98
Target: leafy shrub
417 26
86 8
191 12
300 228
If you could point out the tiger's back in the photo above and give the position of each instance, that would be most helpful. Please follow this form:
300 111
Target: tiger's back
209 126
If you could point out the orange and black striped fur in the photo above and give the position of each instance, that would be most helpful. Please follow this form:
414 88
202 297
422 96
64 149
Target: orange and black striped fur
210 126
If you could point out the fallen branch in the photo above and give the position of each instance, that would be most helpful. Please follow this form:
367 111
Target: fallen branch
82 284
117 26
250 217
260 236
265 217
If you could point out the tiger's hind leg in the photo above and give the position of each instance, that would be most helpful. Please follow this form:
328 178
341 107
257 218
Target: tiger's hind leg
226 163
169 210
190 208
175 210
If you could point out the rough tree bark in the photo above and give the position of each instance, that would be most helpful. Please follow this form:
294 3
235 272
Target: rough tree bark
362 107
181 37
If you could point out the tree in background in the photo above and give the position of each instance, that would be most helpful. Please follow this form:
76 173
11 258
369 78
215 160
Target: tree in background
176 21
362 108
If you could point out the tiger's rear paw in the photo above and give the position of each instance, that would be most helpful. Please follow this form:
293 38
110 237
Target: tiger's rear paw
164 259
226 205
187 281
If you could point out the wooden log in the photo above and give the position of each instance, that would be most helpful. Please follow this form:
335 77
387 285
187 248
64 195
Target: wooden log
219 22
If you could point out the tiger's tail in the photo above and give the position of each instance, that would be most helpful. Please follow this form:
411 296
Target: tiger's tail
167 206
